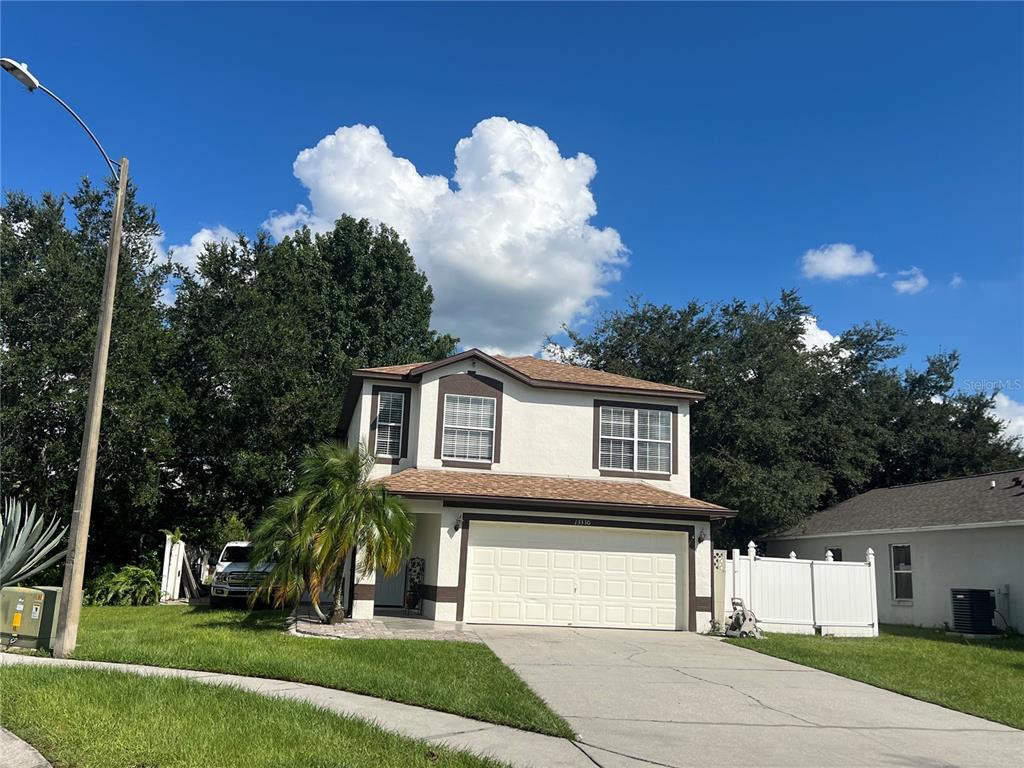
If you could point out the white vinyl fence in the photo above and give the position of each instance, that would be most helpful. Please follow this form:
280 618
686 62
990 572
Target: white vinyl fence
804 597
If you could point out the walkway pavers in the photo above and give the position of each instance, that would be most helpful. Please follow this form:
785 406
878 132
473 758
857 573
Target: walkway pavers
518 748
304 622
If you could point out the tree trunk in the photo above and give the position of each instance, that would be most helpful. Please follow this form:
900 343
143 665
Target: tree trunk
338 610
315 602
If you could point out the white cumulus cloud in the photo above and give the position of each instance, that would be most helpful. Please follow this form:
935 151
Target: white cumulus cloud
507 243
956 281
814 336
186 254
913 281
1011 413
836 261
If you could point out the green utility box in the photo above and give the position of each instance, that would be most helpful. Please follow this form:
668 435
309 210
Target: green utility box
28 617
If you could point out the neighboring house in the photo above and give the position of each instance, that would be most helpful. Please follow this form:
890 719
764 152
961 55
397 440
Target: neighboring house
928 538
542 493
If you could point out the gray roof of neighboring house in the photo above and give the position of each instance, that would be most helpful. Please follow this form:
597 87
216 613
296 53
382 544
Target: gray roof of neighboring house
960 501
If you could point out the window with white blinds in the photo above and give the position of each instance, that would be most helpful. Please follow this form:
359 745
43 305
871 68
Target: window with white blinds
468 428
390 408
636 439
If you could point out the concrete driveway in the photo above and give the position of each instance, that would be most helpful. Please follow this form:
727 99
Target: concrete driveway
678 699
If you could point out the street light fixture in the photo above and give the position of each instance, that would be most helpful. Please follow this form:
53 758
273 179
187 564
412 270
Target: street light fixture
74 566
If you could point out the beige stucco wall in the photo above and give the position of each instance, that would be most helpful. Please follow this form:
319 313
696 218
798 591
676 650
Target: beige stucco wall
544 431
974 558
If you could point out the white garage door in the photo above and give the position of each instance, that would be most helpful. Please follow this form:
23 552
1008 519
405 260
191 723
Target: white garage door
568 575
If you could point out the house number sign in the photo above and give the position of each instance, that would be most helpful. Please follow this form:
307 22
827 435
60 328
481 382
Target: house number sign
581 521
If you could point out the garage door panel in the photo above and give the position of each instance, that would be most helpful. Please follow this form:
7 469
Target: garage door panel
589 561
562 613
510 585
482 556
537 586
537 559
536 612
563 560
510 558
566 575
615 563
481 582
615 588
615 614
640 564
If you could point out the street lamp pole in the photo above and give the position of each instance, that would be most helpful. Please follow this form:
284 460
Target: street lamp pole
74 565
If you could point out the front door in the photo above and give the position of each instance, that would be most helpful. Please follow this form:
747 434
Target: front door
390 590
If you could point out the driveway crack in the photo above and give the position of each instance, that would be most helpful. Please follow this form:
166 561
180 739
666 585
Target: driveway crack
624 754
586 754
749 696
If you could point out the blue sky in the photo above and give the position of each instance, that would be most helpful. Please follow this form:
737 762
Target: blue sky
728 141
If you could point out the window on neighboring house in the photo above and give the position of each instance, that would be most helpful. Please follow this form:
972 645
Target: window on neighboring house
837 553
390 406
468 428
902 578
636 439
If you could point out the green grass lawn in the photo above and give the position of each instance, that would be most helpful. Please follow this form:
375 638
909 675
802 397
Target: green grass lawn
104 719
462 678
983 678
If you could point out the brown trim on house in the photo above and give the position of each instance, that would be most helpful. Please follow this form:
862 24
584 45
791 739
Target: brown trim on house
519 504
406 393
673 409
364 591
691 561
453 464
460 603
691 574
632 524
635 475
470 383
439 594
705 604
351 582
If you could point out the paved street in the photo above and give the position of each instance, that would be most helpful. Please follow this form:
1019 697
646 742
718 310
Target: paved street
678 699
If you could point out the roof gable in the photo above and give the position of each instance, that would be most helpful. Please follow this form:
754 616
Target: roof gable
539 373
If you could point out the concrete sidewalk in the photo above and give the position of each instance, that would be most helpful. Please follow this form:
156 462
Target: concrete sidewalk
518 748
15 753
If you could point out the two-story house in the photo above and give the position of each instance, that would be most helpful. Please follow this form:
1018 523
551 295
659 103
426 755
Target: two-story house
542 493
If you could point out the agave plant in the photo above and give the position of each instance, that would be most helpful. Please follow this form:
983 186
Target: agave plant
27 542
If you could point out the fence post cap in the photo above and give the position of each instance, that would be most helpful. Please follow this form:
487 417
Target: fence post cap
829 557
871 552
751 545
792 555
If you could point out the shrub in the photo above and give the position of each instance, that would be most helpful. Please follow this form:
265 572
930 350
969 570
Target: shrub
131 585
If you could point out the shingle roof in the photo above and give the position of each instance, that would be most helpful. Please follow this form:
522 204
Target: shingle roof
541 372
453 484
960 501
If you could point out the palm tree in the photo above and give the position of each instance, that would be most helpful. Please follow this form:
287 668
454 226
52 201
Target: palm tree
309 534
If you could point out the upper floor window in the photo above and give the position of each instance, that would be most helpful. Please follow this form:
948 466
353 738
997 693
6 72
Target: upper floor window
636 439
390 407
468 428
